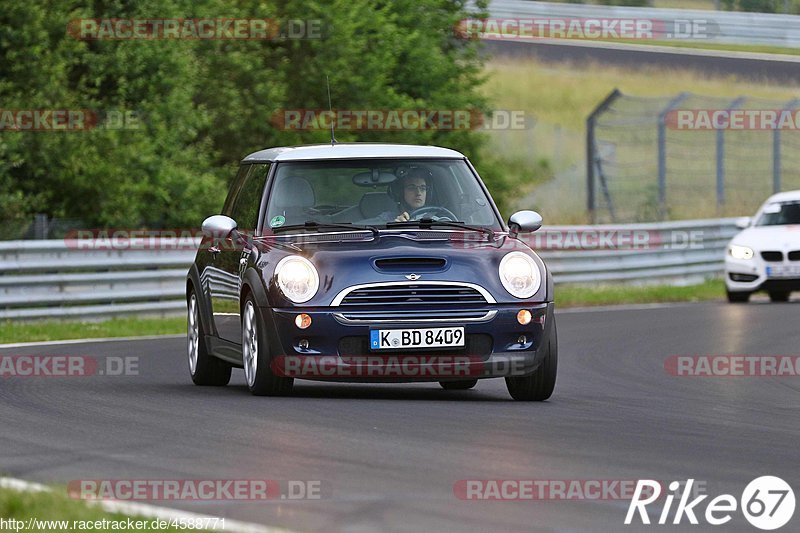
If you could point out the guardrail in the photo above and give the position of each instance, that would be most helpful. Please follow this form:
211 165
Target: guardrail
719 26
667 252
56 279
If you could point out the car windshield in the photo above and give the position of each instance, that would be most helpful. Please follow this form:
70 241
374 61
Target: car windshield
375 192
779 214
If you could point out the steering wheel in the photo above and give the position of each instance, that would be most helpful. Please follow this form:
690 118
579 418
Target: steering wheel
428 212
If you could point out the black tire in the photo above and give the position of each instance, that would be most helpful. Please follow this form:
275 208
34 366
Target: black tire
779 296
263 382
458 385
738 297
538 386
205 369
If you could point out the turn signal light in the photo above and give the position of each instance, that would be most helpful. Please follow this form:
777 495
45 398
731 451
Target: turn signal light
302 321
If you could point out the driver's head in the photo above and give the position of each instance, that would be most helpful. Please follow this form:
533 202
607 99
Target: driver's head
415 188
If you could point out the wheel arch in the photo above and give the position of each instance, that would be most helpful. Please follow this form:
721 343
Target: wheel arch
193 284
253 284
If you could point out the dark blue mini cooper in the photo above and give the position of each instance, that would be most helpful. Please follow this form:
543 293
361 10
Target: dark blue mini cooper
368 262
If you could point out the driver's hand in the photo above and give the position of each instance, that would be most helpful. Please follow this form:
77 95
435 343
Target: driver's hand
402 217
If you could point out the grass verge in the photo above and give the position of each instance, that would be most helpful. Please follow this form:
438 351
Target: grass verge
586 296
50 511
65 330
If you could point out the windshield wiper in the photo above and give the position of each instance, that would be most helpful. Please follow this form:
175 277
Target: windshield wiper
429 222
321 226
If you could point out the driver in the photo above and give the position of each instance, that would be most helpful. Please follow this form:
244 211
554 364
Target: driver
409 193
414 192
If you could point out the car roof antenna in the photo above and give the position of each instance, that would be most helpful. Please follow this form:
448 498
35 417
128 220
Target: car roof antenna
330 108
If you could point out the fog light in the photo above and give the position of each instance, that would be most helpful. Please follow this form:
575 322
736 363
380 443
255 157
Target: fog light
524 317
522 339
303 344
302 321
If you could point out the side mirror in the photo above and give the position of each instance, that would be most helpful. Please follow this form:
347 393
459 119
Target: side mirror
218 226
524 222
743 222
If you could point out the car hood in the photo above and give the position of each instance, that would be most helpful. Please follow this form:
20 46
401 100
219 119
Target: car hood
462 257
785 238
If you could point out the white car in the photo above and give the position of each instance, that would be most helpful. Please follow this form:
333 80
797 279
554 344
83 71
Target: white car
766 255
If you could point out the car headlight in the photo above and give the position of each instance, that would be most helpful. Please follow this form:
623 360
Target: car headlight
520 275
740 252
297 278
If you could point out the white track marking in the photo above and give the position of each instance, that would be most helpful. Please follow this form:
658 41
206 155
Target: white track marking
87 341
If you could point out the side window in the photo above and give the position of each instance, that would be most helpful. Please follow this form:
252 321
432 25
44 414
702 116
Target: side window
233 190
248 198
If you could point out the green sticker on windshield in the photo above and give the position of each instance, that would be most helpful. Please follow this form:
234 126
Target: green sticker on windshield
277 221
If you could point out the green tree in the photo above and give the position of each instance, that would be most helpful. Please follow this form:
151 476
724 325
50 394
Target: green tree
202 105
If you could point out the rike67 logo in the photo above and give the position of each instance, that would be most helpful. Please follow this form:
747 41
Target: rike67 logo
767 503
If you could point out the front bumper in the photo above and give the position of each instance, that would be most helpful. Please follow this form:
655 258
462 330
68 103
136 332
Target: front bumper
752 275
332 350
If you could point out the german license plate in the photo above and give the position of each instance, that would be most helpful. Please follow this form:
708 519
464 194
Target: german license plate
785 271
391 339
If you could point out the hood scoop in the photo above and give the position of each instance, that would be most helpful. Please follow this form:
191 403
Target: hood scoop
404 265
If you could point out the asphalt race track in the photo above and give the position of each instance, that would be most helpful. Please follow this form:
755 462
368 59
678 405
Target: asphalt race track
759 67
388 456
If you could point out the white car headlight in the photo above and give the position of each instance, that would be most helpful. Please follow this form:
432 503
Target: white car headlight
740 252
297 278
520 275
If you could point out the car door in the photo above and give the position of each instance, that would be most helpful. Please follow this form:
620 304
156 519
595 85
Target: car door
222 274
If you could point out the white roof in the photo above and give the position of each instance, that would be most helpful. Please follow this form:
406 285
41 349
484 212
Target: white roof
786 196
351 151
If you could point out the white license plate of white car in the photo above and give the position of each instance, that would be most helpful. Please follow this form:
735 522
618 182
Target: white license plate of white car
393 339
783 271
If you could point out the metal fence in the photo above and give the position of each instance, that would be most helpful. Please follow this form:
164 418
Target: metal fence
687 155
55 279
718 26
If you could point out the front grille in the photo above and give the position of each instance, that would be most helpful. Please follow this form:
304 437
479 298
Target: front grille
427 315
476 345
775 257
405 302
794 256
416 294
